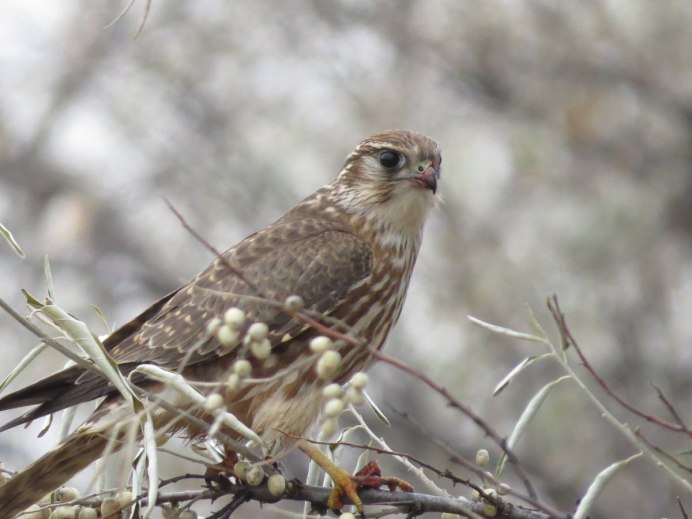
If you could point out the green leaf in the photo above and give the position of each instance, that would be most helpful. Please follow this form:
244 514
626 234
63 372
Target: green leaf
32 301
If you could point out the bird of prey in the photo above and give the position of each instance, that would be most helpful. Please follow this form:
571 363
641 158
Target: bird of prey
347 251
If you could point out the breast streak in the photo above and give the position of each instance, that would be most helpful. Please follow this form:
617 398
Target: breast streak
292 403
378 311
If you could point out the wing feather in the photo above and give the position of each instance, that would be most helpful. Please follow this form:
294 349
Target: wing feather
318 260
321 268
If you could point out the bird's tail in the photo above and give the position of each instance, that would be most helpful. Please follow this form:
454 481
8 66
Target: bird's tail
50 471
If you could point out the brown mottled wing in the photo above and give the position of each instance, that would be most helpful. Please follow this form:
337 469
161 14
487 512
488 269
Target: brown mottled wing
296 255
320 266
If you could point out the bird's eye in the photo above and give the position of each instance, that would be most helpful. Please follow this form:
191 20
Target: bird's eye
389 159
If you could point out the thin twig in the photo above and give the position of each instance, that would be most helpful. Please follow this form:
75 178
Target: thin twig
219 255
238 500
48 340
460 460
470 413
672 410
663 453
145 16
566 334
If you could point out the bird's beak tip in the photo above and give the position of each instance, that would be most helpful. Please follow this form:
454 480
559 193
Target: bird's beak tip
427 179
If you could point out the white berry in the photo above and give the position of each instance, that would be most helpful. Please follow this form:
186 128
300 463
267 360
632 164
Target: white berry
320 344
258 332
227 335
482 458
87 513
242 367
213 325
359 380
276 484
109 506
240 469
328 364
332 391
64 512
212 403
261 349
334 407
64 494
254 476
355 396
295 303
234 317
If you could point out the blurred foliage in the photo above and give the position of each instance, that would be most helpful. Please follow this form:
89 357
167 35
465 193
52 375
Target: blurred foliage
567 131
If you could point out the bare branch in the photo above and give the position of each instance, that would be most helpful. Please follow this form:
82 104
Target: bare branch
568 339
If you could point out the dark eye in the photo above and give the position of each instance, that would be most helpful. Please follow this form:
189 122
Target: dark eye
389 159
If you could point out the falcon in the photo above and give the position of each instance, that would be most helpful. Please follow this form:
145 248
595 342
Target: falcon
347 251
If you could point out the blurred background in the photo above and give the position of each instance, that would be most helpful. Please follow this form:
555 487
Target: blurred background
567 137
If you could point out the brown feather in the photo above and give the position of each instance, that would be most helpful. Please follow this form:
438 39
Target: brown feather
49 472
348 250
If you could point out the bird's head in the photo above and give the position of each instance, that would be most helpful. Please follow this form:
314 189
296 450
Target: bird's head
391 178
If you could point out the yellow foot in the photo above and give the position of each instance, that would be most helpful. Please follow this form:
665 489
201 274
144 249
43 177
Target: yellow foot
346 485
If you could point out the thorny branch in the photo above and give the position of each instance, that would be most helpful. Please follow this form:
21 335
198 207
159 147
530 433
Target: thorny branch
446 473
295 491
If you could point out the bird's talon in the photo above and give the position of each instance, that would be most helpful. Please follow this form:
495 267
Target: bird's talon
367 477
345 487
371 468
370 476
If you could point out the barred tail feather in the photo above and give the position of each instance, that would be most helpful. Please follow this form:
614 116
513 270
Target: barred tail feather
50 472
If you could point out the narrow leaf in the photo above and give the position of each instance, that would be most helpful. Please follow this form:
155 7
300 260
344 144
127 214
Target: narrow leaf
152 465
31 300
28 359
529 412
378 412
177 382
515 371
5 233
49 278
505 331
47 422
78 332
534 323
598 484
101 316
66 421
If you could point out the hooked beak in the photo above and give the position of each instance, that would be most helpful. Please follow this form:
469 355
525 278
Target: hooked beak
427 179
